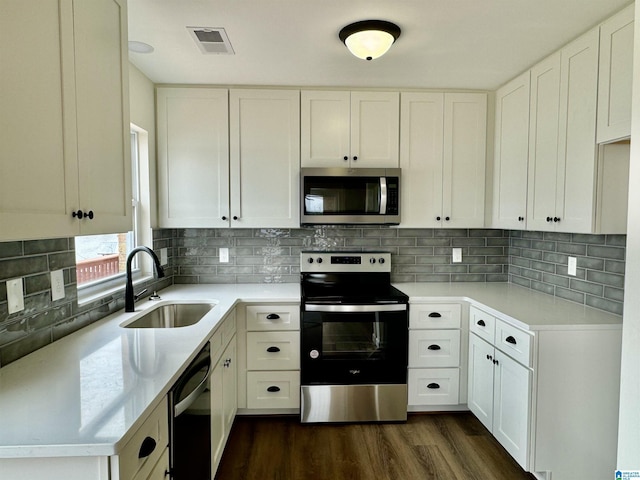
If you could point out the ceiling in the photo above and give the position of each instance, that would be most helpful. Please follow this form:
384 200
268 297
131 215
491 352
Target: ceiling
457 44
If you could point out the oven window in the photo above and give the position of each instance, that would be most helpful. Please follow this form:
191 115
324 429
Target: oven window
354 340
341 196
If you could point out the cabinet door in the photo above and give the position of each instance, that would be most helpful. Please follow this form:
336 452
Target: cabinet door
102 103
265 158
38 166
217 413
421 159
229 386
480 391
325 125
511 154
615 77
193 157
375 129
465 134
575 204
543 143
511 414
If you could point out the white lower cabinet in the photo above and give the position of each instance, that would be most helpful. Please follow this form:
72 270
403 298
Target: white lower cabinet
550 397
434 356
269 377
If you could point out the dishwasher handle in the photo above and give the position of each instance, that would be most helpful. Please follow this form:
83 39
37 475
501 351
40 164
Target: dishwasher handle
185 403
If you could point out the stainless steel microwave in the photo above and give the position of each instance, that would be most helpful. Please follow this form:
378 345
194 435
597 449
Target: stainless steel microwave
334 196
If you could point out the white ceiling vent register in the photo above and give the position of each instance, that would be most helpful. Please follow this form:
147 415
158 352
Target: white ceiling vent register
211 40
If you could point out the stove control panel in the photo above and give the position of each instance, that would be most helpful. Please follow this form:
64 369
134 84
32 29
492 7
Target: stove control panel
326 262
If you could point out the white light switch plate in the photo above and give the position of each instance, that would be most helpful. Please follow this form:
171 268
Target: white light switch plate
57 285
163 256
15 295
456 255
571 266
224 255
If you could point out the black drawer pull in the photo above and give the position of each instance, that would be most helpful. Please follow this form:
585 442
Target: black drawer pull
147 447
481 323
511 340
273 349
433 385
273 316
273 389
433 347
434 315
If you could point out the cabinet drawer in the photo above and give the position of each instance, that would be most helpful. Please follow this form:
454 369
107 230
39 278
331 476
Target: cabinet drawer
514 342
273 389
434 386
435 315
156 428
273 350
482 324
273 317
434 348
159 471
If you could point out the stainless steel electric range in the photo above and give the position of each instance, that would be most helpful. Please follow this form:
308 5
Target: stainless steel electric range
354 339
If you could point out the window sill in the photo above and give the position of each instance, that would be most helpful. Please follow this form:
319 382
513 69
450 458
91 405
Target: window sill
92 293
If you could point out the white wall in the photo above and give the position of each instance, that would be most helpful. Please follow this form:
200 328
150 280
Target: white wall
629 424
143 114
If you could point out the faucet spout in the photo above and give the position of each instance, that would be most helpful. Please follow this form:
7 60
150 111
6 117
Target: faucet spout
129 298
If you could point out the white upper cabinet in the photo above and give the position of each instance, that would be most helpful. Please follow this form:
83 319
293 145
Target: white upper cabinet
562 152
68 133
615 78
193 157
442 156
264 133
349 129
511 154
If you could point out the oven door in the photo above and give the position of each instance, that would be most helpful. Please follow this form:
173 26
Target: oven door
354 344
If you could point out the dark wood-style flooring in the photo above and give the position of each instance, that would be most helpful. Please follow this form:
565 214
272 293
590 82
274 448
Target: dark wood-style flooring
451 446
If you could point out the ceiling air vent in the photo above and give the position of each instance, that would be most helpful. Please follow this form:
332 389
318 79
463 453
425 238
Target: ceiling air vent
211 40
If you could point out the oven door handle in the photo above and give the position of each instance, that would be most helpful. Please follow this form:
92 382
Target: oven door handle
396 307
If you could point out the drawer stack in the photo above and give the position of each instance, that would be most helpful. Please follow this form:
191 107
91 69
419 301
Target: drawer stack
273 356
434 354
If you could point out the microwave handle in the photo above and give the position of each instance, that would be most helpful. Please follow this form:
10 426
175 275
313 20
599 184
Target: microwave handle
383 195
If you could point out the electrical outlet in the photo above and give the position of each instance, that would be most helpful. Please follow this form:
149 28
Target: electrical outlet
224 255
163 256
15 295
57 285
571 266
456 255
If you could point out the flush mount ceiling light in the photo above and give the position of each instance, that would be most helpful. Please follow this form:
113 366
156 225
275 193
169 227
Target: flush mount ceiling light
140 47
369 39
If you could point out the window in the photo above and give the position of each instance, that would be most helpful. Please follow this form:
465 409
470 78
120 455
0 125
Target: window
101 259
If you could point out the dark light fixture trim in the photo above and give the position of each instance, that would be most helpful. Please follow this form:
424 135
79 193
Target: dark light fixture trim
369 25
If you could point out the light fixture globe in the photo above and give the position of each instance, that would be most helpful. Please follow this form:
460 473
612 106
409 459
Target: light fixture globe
369 39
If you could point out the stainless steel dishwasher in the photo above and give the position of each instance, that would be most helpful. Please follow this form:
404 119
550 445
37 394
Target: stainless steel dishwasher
190 421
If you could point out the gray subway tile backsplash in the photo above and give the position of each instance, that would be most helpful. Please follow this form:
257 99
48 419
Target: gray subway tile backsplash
536 260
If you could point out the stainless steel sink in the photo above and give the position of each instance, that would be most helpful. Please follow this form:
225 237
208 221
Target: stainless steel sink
172 315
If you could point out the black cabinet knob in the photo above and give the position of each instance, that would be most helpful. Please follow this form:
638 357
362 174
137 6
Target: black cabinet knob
481 323
496 362
435 315
273 316
273 349
447 218
433 347
355 157
549 219
346 158
510 340
88 215
556 219
438 218
521 219
147 447
224 218
433 385
235 217
273 389
77 214
489 357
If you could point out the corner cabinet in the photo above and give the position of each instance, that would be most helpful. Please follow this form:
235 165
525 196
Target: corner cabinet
68 132
443 156
616 77
349 129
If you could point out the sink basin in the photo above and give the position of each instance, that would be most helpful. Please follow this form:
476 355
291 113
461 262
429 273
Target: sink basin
172 315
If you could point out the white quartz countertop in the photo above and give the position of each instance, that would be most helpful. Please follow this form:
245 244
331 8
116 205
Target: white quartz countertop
525 308
86 394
